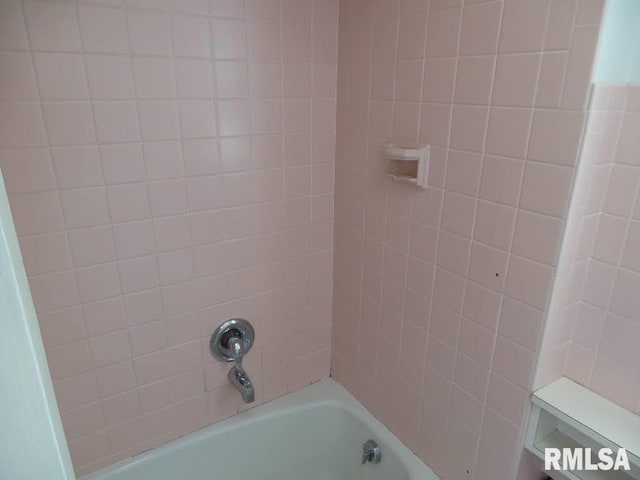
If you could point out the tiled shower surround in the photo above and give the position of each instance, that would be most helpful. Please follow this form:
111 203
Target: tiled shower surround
170 165
594 319
604 351
440 295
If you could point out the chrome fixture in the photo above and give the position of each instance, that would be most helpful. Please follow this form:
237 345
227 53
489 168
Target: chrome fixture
371 452
239 379
230 342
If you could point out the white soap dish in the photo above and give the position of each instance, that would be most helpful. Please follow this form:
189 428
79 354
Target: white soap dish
406 162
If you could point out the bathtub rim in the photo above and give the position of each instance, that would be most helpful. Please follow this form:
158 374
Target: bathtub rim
323 392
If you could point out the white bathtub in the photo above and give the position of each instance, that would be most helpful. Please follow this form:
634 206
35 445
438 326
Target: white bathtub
313 434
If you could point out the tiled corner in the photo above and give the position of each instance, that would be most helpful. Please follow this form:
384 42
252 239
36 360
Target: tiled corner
144 147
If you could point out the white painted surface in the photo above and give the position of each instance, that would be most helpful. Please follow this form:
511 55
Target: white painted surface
592 415
313 434
32 445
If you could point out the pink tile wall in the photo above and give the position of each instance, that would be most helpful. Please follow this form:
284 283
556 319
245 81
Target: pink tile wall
440 296
170 165
600 351
574 265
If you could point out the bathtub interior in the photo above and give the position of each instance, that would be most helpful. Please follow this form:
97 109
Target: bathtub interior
320 441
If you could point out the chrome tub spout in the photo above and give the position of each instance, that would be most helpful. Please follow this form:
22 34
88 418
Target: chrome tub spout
240 380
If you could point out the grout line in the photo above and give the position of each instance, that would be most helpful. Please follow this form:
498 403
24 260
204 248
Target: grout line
570 43
472 240
135 101
439 228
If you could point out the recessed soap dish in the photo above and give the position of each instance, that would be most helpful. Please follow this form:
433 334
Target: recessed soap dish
406 162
